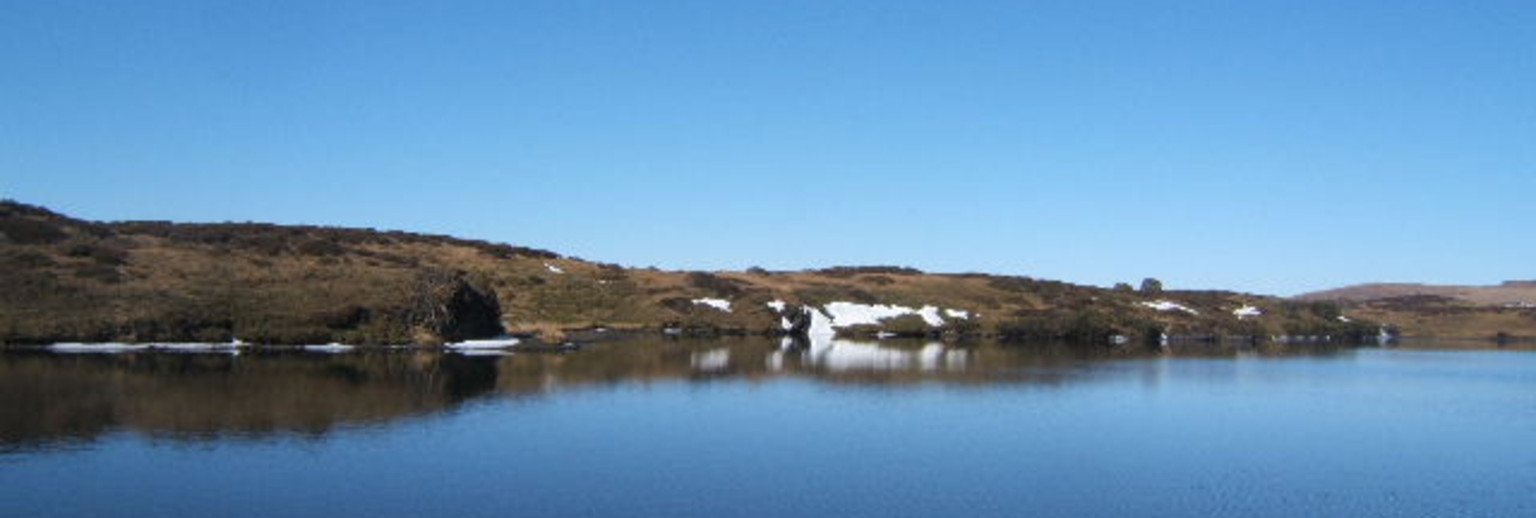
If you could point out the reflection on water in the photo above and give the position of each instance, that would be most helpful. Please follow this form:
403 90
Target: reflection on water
754 427
57 397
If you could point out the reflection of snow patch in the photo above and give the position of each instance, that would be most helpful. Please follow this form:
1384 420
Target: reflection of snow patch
845 355
481 352
1344 319
720 304
1247 311
711 360
776 361
928 358
1165 305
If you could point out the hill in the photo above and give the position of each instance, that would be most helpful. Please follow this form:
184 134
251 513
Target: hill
63 279
1504 311
1509 293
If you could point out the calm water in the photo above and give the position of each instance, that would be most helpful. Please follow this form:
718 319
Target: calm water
743 428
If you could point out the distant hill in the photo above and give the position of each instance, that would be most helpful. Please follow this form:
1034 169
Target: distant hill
63 279
1507 293
1507 310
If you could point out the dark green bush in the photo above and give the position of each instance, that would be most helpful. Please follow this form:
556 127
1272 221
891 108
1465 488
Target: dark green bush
23 231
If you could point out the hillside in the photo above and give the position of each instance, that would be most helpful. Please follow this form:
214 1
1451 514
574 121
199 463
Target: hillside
63 279
1509 293
1505 311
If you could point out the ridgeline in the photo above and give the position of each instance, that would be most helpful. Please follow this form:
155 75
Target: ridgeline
68 280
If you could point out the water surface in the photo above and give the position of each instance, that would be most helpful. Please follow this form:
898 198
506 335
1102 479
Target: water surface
749 428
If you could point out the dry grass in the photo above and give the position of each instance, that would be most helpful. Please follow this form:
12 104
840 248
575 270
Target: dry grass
140 281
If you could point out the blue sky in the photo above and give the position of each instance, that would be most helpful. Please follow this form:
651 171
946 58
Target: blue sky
1275 147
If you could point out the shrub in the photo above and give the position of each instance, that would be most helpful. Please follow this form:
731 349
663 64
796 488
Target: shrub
104 254
320 247
715 284
31 231
843 272
99 272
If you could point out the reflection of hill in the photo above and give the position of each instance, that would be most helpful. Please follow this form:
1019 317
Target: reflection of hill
53 397
47 397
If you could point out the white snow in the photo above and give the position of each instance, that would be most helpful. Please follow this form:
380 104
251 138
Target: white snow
228 347
930 315
777 305
331 348
1344 319
956 313
1247 311
493 343
720 304
102 348
846 314
820 324
553 269
1166 305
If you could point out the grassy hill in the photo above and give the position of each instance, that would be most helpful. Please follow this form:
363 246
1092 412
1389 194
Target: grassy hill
64 279
1506 310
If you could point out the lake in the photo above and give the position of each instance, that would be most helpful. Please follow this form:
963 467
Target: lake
748 427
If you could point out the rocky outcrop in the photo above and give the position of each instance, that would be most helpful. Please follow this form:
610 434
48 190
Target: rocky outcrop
446 307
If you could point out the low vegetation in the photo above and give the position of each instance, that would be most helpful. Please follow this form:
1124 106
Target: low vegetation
64 279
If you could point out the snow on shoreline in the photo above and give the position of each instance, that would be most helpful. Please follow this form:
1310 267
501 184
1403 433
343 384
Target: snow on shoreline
121 347
331 348
491 343
720 304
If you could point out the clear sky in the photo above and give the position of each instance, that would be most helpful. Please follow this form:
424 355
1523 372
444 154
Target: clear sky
1276 147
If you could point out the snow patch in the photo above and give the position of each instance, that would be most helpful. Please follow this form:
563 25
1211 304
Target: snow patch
720 304
194 347
493 343
1167 305
102 348
821 325
553 269
330 348
1344 319
777 305
1247 311
956 313
844 314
